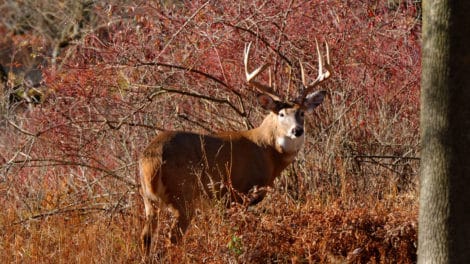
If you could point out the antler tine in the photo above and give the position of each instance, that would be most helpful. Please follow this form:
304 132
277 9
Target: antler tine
270 83
327 54
251 75
320 60
322 74
302 74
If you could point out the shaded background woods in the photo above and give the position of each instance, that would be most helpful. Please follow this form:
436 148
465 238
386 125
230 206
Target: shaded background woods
85 85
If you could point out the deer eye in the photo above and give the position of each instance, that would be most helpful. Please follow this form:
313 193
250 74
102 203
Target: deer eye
301 113
281 114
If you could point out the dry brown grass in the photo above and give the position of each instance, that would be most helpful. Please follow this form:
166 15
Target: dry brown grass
278 230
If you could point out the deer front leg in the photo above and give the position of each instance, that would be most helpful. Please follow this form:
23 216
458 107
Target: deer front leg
256 195
185 214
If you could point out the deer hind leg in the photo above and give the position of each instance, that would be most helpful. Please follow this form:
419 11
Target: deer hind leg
148 173
149 226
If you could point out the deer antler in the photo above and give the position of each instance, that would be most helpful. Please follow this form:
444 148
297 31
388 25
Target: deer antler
322 76
250 76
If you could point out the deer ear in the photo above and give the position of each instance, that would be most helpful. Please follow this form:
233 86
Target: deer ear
313 100
267 102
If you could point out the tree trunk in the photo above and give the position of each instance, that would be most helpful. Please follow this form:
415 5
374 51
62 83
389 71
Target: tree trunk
444 210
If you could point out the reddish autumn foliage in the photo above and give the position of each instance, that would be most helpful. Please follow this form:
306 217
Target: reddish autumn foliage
69 177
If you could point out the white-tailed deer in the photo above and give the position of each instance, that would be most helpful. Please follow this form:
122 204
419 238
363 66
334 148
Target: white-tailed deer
181 167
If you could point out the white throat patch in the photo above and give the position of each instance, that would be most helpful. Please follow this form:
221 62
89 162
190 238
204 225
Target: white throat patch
290 145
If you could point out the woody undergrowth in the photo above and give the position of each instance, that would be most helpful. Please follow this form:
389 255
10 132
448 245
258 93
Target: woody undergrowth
68 177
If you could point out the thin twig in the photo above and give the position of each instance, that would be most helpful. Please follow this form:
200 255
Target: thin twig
180 29
82 210
383 157
198 96
181 67
279 53
58 162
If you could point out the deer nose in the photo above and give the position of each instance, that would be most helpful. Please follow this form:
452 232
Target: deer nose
297 131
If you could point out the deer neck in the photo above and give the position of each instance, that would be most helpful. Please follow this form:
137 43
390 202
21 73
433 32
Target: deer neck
268 134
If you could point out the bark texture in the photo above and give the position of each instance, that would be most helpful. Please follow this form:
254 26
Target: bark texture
444 211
